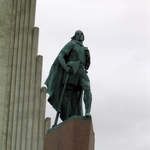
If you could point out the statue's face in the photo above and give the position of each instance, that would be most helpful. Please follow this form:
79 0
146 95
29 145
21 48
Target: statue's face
79 35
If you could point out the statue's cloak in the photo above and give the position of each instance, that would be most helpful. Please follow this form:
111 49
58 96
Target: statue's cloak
72 98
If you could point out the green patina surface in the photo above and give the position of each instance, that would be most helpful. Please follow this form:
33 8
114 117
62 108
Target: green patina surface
68 82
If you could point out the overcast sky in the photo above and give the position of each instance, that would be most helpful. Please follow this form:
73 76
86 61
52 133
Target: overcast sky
117 32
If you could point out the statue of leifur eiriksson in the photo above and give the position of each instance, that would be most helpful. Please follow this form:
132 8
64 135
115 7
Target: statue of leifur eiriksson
68 82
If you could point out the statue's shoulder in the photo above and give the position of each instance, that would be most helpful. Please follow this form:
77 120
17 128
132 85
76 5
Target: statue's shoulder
69 45
72 43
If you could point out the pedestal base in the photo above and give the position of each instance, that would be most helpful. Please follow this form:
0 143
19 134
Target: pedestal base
73 134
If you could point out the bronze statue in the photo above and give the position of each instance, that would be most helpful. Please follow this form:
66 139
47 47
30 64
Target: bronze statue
68 81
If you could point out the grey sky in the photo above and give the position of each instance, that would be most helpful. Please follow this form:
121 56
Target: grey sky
117 33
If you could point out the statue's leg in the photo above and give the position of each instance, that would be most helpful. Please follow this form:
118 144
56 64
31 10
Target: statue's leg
85 84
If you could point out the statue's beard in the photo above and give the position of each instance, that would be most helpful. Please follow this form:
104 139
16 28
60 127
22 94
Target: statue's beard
81 39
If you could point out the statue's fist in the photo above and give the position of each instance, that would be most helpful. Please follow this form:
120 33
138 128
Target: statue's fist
67 69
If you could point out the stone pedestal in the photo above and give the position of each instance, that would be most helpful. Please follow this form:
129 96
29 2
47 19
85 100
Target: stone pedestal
73 134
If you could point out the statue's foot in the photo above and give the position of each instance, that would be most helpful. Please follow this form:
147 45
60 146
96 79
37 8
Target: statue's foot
87 114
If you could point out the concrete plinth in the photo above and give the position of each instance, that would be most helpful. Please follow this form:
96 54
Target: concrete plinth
74 134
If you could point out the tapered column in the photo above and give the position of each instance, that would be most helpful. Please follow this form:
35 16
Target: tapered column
32 89
42 119
22 103
47 124
14 40
28 66
36 117
23 73
19 53
11 80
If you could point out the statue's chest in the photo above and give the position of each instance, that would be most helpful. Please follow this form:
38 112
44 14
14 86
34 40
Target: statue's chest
78 52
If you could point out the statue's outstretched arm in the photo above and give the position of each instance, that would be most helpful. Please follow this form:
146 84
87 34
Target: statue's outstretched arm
64 52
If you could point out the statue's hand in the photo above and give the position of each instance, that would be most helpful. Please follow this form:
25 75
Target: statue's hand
67 69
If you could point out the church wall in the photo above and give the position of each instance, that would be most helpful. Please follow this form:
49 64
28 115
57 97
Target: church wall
22 100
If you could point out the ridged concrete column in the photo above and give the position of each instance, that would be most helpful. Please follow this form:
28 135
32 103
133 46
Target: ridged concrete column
6 10
14 40
36 116
42 119
19 89
21 69
22 103
32 89
47 124
27 74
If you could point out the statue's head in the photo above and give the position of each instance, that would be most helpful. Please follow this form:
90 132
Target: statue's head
79 36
